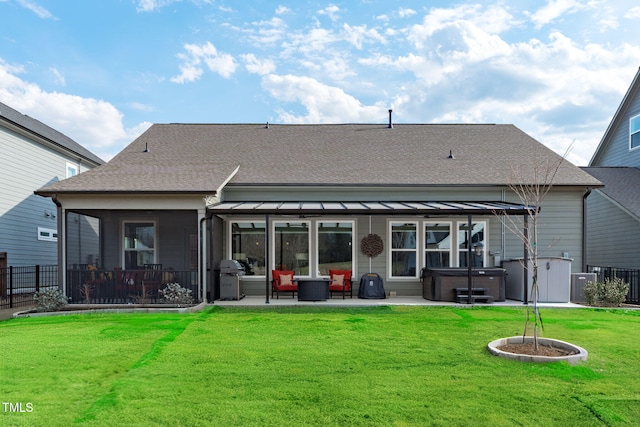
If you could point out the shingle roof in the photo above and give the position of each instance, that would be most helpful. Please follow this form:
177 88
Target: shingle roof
621 184
199 157
32 125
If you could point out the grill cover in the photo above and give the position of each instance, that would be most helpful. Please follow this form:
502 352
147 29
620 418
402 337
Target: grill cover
371 286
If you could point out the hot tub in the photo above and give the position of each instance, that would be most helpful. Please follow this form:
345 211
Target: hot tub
439 284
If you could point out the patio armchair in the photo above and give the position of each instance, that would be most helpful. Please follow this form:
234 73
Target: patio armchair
340 281
283 281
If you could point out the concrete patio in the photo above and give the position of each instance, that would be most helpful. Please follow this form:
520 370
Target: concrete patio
253 301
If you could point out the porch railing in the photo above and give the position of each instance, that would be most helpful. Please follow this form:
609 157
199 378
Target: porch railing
631 276
126 286
18 284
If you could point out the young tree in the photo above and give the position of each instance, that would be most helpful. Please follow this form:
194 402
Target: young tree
531 182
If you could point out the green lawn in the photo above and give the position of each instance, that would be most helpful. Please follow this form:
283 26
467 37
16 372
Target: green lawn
379 366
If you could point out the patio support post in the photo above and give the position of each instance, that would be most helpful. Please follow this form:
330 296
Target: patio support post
525 232
267 261
469 267
202 257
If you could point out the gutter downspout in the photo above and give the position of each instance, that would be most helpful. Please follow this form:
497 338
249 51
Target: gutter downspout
584 229
62 238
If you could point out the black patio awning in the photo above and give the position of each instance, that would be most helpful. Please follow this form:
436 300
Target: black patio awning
370 208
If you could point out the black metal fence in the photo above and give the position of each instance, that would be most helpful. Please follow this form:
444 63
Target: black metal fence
18 284
126 286
631 276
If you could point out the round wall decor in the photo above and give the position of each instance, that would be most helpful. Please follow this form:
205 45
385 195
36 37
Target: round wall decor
371 245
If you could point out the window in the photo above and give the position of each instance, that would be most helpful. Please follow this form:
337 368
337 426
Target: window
247 246
291 247
477 244
335 246
139 244
403 249
47 234
437 242
72 170
634 133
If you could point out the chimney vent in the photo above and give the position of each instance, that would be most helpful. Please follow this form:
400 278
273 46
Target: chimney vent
390 119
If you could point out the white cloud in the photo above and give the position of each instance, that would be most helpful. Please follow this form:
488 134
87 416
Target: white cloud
323 103
258 66
191 69
37 9
315 41
359 34
331 11
268 32
633 13
404 12
554 10
282 10
95 124
147 5
58 75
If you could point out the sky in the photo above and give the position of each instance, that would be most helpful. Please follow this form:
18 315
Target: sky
103 71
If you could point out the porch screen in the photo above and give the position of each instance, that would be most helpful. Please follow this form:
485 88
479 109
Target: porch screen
291 246
335 247
139 244
247 246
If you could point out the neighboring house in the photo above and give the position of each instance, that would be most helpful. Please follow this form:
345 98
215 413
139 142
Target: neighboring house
613 212
303 197
33 155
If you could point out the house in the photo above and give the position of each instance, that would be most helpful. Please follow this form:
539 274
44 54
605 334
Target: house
33 155
613 211
309 197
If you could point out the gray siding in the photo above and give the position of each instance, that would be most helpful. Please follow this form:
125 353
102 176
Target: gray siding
24 167
616 151
613 235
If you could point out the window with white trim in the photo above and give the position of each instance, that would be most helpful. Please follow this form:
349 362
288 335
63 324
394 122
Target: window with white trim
139 244
478 244
334 245
247 246
72 170
291 246
403 249
634 132
47 234
437 244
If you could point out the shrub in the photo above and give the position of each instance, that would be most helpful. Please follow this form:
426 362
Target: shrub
50 300
176 294
610 292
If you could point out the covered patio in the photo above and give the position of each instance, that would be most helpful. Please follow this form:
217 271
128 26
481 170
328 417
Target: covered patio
404 209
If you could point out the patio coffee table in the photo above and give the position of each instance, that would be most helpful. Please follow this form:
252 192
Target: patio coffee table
313 289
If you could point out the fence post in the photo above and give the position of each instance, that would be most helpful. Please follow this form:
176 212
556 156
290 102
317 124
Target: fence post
10 286
37 278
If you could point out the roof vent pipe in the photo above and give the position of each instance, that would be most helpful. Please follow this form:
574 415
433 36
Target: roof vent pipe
266 126
146 147
390 120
